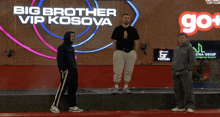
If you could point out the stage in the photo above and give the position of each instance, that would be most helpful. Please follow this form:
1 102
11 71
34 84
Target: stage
102 99
123 113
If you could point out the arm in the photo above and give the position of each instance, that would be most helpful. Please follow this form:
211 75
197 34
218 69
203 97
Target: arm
114 38
136 37
136 45
114 44
60 60
192 59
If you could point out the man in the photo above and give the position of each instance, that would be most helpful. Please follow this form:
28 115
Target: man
125 37
69 75
184 60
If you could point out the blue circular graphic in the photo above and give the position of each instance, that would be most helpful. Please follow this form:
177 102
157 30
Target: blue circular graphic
39 5
75 45
90 51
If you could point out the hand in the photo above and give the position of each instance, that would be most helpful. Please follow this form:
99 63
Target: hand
64 71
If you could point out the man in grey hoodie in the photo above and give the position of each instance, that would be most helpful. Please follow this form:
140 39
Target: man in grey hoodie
184 60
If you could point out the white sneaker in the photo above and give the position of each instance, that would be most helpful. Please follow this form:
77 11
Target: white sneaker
126 90
178 110
75 109
189 110
54 109
115 91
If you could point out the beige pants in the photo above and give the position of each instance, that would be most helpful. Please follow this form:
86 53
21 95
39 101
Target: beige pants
121 59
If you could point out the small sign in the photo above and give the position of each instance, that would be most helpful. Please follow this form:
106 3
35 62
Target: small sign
206 49
163 55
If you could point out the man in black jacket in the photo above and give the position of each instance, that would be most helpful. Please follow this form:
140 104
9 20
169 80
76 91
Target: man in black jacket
184 60
69 75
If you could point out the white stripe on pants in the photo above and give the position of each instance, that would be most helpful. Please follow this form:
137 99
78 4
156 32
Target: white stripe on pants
121 59
60 89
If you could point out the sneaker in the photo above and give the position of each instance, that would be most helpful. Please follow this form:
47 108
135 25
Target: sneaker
126 90
189 110
75 109
115 91
178 110
54 109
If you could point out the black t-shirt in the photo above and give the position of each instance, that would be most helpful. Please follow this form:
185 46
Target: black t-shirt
118 34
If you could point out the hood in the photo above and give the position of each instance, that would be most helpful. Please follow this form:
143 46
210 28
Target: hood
186 44
67 38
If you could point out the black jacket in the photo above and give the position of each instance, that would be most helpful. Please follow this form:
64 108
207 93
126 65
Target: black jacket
66 54
184 58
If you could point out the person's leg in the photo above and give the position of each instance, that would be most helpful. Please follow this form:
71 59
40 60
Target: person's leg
72 89
188 89
130 59
179 94
62 88
118 66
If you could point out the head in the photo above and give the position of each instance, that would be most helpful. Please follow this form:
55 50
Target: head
126 19
69 37
182 38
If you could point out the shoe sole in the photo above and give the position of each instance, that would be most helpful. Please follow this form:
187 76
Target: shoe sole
53 111
114 92
75 111
178 110
126 92
190 111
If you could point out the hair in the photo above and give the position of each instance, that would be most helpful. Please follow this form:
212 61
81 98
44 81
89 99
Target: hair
124 14
73 33
184 34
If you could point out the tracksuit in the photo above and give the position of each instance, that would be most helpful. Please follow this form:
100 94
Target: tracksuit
184 60
66 61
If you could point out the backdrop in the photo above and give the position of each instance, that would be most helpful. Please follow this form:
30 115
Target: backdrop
157 26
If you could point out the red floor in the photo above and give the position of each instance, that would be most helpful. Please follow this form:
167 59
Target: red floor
145 113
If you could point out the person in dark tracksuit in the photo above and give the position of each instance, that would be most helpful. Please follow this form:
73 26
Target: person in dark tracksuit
184 60
69 75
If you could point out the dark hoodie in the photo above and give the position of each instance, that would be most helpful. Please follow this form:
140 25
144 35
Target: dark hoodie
66 54
184 58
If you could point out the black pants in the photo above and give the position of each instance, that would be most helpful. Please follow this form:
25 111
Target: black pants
70 82
183 88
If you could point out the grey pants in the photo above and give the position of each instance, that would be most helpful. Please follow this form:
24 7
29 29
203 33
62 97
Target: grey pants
183 88
120 60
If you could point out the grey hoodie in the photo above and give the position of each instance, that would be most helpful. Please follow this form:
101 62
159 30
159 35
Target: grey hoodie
184 58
